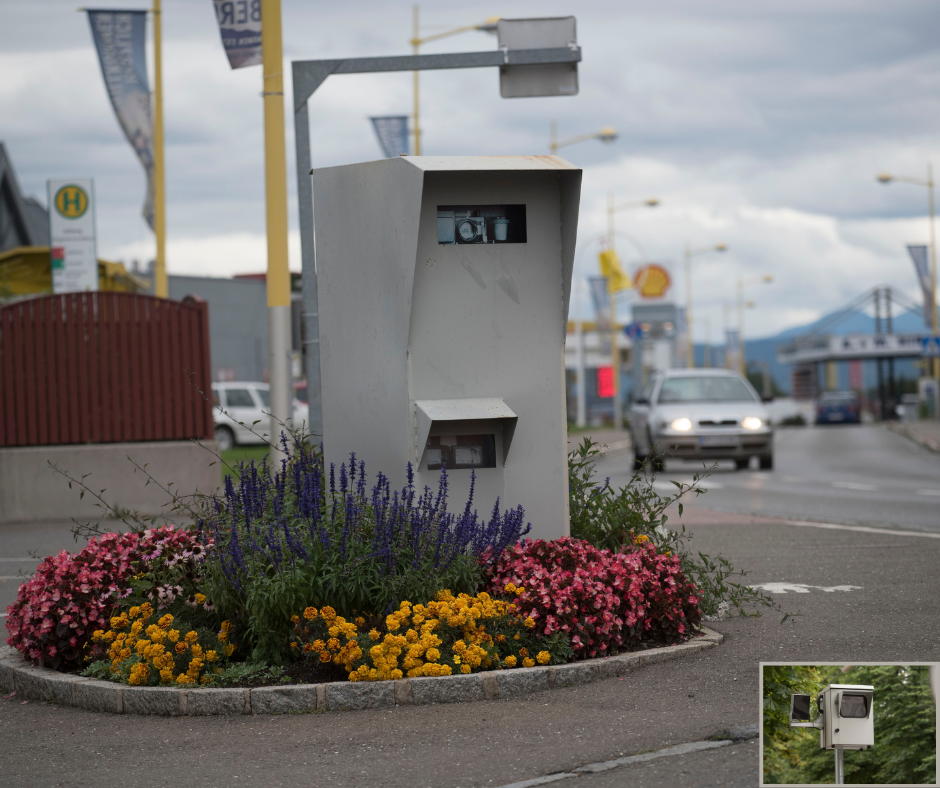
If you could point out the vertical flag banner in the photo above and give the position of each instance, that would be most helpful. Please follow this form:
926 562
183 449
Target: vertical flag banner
72 235
732 349
392 131
617 279
240 28
120 38
601 298
919 256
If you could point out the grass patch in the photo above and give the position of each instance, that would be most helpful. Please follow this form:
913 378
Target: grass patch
238 454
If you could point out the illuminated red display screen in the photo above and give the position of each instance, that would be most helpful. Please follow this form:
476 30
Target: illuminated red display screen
605 381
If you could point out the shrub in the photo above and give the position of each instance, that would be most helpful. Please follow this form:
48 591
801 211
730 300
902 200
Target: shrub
603 601
296 538
452 634
615 520
72 594
137 651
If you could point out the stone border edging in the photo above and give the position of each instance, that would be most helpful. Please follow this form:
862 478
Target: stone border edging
65 689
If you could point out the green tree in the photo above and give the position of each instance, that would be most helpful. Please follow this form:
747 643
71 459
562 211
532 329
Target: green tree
905 747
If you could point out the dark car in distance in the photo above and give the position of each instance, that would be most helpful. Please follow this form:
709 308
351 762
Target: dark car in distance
838 407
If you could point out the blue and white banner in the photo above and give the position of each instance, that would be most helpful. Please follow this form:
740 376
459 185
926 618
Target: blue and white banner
120 38
919 256
392 131
601 299
240 27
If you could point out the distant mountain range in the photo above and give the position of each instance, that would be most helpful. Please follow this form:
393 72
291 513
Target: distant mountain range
859 322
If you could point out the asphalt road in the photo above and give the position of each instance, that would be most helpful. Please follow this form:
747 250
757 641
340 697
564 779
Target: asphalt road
861 596
842 474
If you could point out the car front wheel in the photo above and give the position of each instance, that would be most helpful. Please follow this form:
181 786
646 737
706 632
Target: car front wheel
225 438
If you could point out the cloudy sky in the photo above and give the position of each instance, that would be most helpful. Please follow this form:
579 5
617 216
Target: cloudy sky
759 125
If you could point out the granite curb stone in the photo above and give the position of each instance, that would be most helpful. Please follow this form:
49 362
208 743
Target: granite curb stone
48 685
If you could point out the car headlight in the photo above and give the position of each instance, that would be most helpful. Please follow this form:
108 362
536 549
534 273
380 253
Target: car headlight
681 425
752 423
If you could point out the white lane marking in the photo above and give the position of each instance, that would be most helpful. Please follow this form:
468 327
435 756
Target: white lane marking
603 766
3 615
13 577
929 492
704 484
800 588
37 560
854 486
863 528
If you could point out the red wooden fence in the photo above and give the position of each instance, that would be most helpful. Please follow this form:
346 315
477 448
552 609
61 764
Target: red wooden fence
103 368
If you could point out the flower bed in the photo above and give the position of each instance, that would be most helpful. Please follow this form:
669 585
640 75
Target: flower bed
297 569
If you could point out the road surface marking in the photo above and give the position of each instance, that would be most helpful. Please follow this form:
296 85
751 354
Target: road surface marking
37 560
929 492
603 766
863 528
13 577
703 484
854 486
800 588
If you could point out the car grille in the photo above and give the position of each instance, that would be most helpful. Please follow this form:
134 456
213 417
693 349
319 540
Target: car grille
723 423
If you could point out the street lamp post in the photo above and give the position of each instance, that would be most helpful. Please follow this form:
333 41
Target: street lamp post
929 183
742 283
488 26
689 254
606 134
612 209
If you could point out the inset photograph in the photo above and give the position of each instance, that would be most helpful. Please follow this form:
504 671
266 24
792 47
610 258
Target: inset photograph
867 724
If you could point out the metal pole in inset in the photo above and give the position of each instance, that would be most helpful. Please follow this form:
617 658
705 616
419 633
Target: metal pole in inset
840 766
278 274
160 283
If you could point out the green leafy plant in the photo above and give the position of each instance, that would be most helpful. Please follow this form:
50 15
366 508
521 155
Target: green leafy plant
615 519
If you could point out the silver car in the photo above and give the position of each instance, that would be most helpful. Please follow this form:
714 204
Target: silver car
700 414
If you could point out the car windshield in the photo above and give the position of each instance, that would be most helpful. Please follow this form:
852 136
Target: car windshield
711 388
265 397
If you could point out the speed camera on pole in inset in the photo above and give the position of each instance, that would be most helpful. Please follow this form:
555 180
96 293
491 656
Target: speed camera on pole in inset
550 79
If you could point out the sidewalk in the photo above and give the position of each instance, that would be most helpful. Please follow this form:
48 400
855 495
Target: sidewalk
926 433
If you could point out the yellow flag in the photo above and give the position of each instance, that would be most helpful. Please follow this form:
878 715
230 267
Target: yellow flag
617 280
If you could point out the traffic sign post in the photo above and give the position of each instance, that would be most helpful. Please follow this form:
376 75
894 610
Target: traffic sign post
930 347
74 257
308 75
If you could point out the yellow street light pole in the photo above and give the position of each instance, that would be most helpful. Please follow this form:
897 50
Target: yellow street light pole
160 283
488 26
689 253
275 182
929 183
742 283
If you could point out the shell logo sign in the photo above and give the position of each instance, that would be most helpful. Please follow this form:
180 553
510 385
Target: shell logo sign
652 281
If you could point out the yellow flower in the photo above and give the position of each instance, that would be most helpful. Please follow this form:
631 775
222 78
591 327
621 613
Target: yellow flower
465 669
374 634
229 649
173 635
334 631
227 626
360 621
310 613
328 613
295 619
293 644
333 644
456 659
510 661
528 662
134 612
165 621
191 636
529 623
543 657
523 652
432 655
200 598
325 656
181 647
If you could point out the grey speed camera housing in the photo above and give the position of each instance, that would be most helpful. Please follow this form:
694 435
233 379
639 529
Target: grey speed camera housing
846 718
